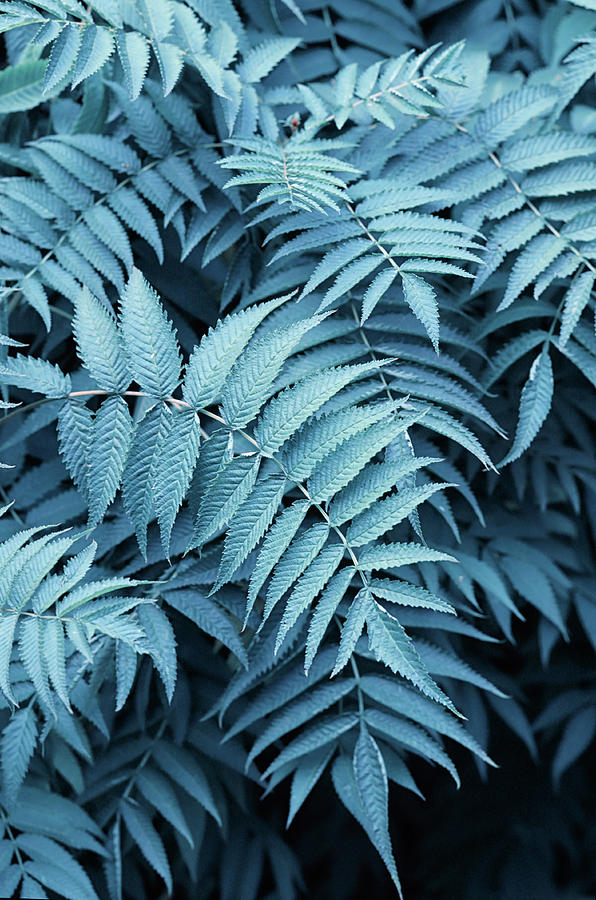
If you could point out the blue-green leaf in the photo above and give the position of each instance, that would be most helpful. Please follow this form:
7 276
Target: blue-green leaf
17 747
161 643
184 769
218 350
143 833
392 646
150 341
249 524
250 380
21 85
227 492
63 56
370 776
99 343
576 299
133 50
177 458
422 300
274 545
110 440
97 45
536 398
578 734
141 467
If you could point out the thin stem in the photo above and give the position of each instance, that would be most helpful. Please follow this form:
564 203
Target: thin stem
300 487
332 38
512 23
373 239
11 509
7 610
528 202
248 437
61 312
144 760
11 838
372 353
356 672
217 418
27 408
373 97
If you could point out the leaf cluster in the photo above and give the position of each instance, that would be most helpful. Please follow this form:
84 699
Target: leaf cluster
296 426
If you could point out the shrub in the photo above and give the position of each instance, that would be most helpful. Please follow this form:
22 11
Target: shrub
298 472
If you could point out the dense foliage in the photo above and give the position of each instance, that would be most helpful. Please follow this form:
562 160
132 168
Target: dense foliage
298 475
